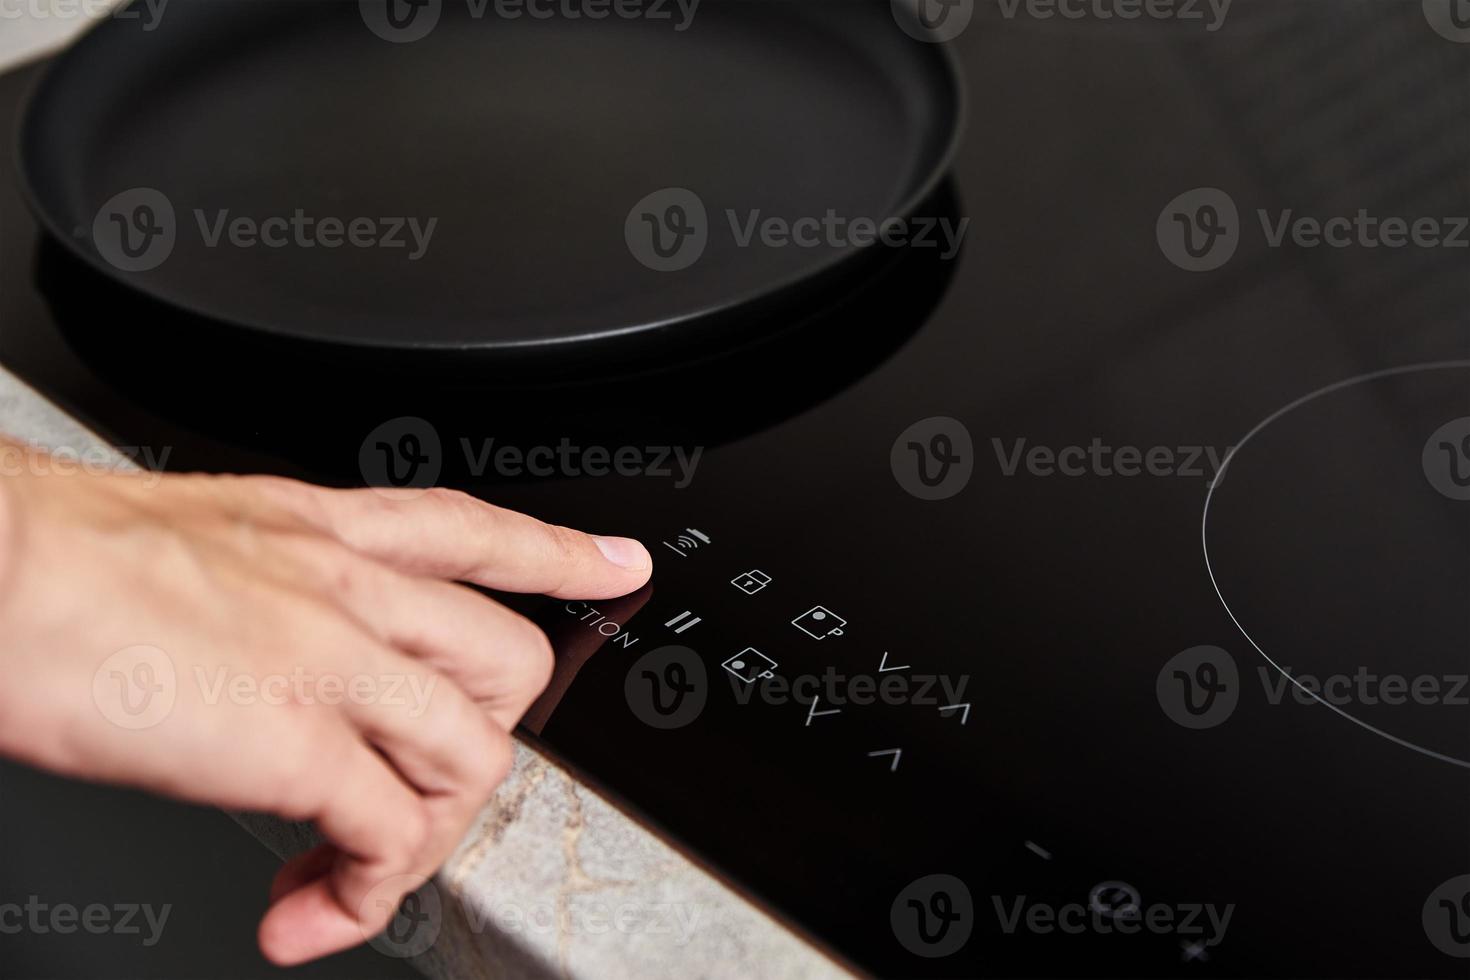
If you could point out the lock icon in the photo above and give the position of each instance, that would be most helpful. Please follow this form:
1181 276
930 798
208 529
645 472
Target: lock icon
751 582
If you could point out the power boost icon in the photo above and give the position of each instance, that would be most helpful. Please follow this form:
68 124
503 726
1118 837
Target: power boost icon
687 542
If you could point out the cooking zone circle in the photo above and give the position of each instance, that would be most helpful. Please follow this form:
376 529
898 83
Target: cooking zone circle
1337 537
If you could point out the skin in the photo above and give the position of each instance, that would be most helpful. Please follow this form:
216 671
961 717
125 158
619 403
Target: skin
237 576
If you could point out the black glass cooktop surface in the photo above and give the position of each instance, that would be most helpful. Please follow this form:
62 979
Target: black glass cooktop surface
1090 600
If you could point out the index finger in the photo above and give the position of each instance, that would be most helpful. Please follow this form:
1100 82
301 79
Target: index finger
452 535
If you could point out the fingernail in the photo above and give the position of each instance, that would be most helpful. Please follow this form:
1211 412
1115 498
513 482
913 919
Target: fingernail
623 552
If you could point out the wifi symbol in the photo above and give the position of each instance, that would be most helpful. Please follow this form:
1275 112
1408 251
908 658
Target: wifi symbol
688 541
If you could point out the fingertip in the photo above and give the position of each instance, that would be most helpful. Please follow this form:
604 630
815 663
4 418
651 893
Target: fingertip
276 942
626 553
306 924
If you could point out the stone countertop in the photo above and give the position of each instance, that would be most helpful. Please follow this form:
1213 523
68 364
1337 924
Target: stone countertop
551 880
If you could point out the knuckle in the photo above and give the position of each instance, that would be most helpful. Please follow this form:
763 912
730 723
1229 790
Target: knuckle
302 499
493 761
345 583
354 586
538 656
281 487
561 555
448 496
412 831
440 730
463 512
367 501
483 760
456 739
564 543
456 502
323 565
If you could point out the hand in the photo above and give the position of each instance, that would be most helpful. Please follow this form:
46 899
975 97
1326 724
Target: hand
263 644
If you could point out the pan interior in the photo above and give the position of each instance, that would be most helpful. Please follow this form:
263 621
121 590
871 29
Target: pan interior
503 155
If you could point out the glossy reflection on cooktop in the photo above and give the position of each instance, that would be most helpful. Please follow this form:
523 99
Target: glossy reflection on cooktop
944 661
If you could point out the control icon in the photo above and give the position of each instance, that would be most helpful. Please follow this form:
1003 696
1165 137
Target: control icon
1192 951
1114 900
750 665
751 582
963 708
812 712
683 621
819 622
894 754
688 541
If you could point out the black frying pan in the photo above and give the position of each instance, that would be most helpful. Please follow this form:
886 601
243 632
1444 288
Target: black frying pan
543 151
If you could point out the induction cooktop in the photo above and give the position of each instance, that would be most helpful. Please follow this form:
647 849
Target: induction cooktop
1089 599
